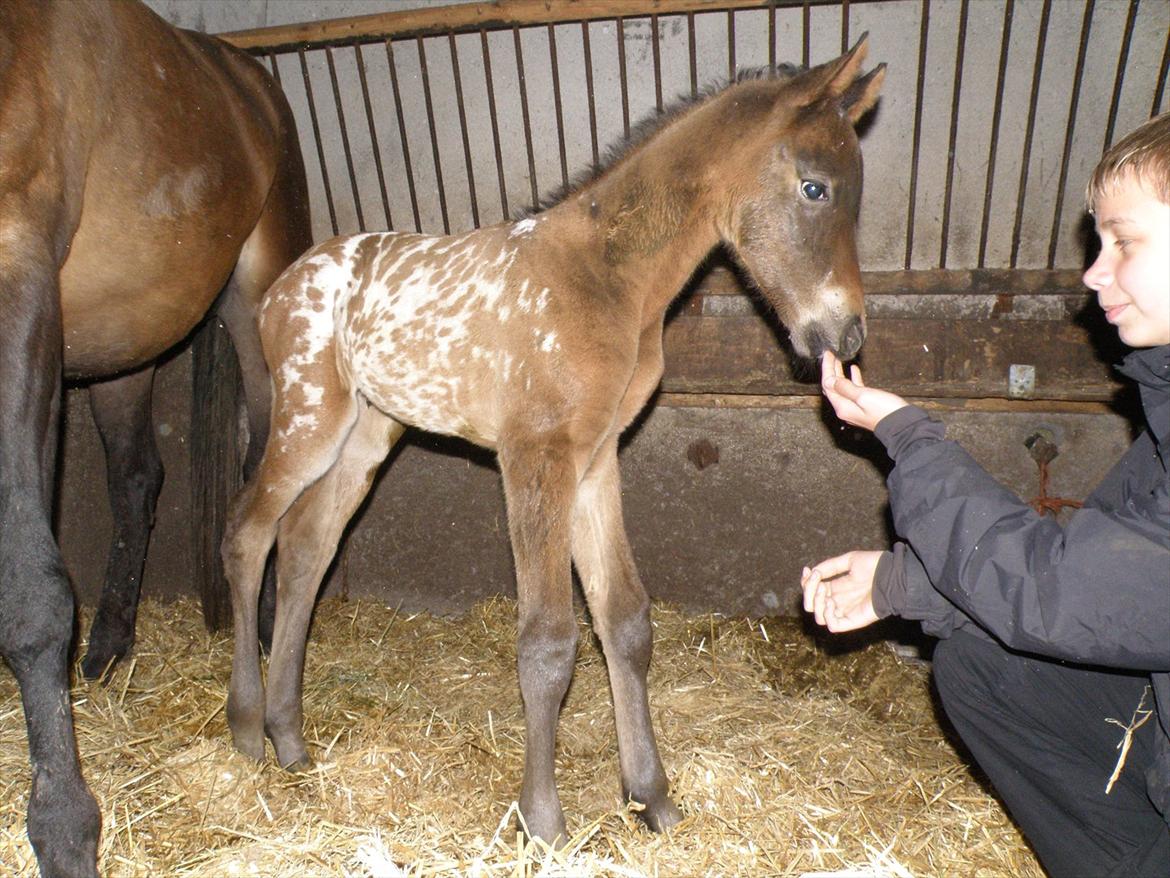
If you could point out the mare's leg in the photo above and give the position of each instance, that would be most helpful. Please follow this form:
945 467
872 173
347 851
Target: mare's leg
293 460
134 475
307 541
36 602
539 480
621 617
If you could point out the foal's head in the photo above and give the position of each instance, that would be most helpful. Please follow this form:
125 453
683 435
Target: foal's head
791 219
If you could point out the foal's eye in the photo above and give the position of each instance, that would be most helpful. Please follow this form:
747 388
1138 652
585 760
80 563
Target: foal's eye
814 191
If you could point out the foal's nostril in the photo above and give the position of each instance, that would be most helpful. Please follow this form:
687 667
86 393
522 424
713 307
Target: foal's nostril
851 339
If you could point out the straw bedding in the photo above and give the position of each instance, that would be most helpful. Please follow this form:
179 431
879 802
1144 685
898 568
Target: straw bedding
787 754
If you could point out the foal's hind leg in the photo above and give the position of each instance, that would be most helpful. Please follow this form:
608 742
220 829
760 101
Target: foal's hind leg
621 617
539 480
306 542
134 474
293 460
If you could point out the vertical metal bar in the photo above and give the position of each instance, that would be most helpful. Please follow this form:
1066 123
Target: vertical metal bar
621 47
844 26
693 54
357 201
1122 60
923 30
657 63
807 22
275 69
589 93
731 67
1037 69
402 135
771 34
556 81
1005 41
463 128
960 50
1078 77
1161 89
361 66
426 83
524 114
317 138
491 90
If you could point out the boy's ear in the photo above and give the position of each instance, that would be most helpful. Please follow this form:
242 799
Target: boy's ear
862 94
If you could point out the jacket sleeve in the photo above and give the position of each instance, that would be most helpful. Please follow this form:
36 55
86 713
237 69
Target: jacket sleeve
1096 591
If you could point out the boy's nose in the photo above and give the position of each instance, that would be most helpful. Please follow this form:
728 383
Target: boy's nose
1097 275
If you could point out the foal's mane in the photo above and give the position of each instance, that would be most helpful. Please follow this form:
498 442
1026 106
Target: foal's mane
646 128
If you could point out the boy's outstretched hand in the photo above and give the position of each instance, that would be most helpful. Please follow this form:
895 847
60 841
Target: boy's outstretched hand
839 591
853 402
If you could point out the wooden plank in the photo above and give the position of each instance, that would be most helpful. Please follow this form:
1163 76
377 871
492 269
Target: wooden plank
949 358
788 403
498 14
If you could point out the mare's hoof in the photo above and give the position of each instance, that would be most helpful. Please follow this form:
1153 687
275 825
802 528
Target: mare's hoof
250 746
99 662
549 831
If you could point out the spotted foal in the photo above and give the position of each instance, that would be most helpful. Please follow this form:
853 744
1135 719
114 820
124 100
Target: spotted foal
541 339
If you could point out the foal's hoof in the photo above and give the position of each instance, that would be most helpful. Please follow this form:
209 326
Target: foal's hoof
661 816
299 766
550 830
250 745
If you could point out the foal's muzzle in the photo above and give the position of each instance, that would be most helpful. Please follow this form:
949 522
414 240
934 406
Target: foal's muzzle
852 337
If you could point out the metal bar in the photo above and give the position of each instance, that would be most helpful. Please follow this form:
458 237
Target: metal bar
317 138
807 22
1122 60
657 63
361 66
275 69
960 50
357 201
556 81
524 114
463 129
1005 41
844 26
621 47
1037 69
693 54
589 93
731 66
426 83
771 34
917 147
491 90
1078 77
402 135
1161 89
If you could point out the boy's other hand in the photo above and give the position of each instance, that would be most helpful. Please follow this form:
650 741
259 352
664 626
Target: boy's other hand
839 591
853 402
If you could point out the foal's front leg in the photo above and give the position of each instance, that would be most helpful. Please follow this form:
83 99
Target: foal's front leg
121 410
621 617
539 481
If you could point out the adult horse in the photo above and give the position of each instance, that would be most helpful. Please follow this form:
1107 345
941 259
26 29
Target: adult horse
143 170
541 339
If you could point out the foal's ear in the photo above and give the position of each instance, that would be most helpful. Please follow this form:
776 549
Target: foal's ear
831 79
862 94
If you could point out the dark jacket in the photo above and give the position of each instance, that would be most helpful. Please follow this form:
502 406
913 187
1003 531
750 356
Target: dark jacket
1095 591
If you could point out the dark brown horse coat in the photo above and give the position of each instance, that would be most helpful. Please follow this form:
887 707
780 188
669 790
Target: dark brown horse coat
146 174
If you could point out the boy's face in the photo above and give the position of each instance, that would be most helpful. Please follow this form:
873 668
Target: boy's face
1132 274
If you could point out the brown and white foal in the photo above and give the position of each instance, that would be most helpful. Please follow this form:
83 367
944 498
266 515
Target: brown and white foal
541 339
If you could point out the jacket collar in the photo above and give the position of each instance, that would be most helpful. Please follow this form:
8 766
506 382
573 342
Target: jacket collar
1150 368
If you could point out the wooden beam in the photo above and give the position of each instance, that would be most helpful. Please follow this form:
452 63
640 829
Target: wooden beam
497 14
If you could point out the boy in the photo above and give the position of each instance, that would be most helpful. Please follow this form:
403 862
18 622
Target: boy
1050 636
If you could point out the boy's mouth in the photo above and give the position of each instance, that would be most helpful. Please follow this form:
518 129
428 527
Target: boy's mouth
1113 312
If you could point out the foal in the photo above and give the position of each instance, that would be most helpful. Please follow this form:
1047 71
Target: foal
541 339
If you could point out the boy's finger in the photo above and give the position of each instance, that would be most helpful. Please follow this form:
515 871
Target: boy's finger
831 567
855 374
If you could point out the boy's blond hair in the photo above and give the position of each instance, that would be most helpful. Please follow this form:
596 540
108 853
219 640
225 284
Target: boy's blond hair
1144 153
